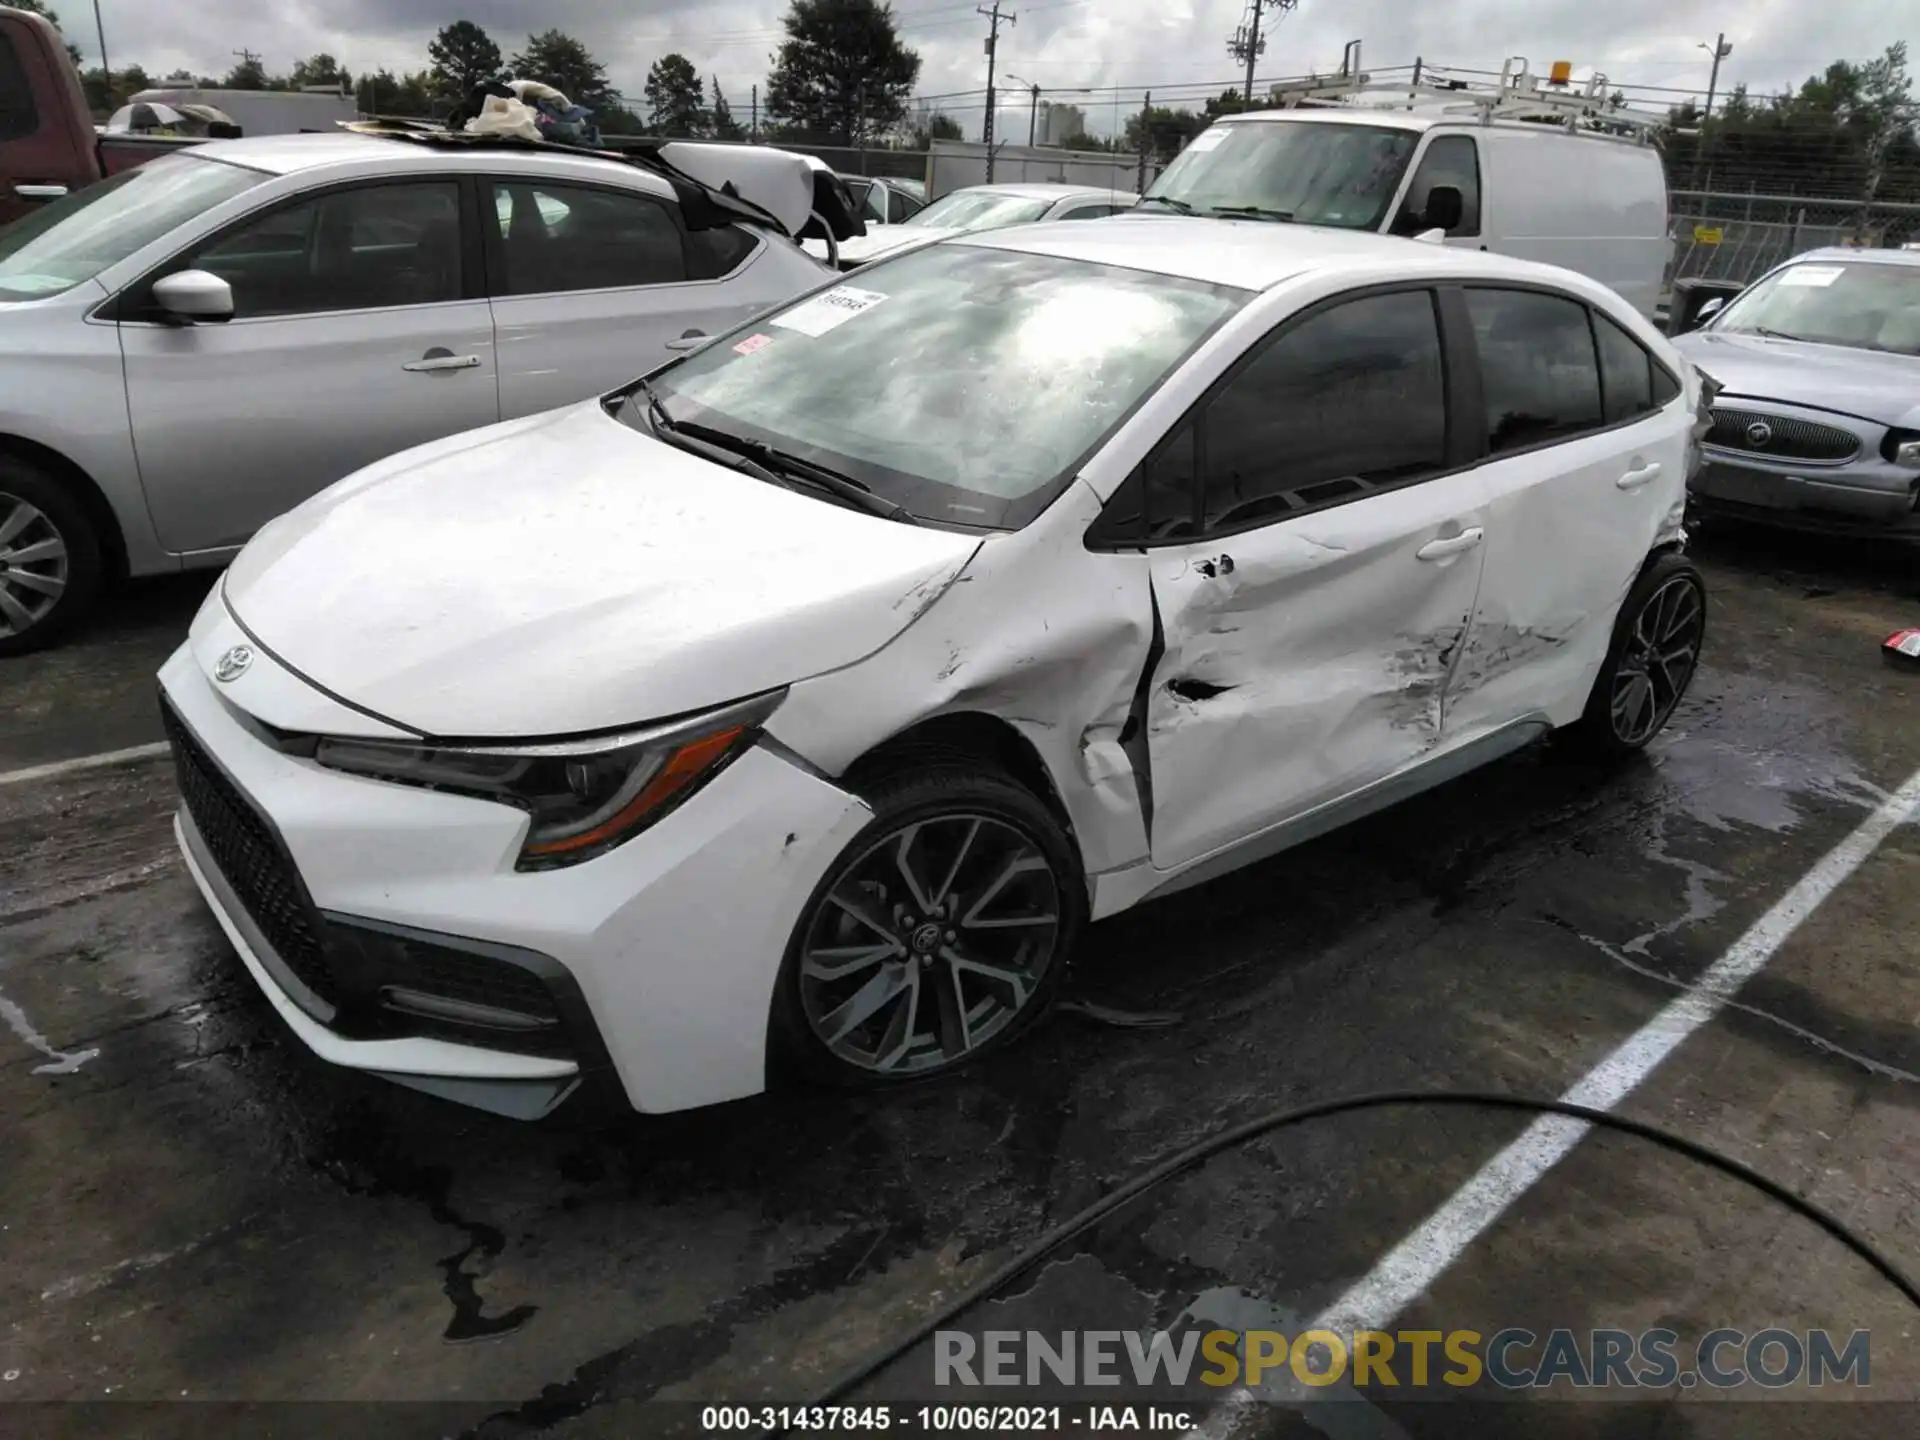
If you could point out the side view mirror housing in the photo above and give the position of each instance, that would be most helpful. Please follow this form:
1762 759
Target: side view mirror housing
194 297
1707 311
1446 208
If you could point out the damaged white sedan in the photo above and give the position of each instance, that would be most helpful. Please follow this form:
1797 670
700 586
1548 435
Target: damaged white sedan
797 708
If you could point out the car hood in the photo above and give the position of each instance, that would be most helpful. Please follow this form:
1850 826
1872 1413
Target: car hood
565 574
1871 384
885 239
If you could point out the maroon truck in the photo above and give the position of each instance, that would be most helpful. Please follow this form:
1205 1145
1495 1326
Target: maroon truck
48 145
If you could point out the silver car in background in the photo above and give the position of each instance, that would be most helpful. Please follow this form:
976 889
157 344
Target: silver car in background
982 207
1817 424
190 348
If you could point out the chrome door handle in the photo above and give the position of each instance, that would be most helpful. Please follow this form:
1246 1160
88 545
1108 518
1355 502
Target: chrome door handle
1634 479
433 363
29 191
1451 545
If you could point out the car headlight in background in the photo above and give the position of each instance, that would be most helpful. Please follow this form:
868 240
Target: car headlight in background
1902 447
584 796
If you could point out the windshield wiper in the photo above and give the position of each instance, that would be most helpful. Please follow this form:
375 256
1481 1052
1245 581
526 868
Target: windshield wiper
1179 207
1777 334
776 467
1252 212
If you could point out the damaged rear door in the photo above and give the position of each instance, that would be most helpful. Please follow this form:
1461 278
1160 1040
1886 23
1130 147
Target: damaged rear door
1314 535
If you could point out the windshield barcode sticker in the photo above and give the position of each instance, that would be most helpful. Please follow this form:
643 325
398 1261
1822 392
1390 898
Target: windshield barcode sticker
1817 275
825 312
752 343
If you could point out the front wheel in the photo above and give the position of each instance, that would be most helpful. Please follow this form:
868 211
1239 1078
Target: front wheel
1655 652
940 933
50 560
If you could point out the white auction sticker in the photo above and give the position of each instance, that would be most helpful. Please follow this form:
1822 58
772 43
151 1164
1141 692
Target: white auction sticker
825 312
1207 139
1820 276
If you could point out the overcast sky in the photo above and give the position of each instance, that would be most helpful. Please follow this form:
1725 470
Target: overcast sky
1176 47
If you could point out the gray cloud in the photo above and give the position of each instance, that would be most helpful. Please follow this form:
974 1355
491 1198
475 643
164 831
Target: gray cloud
1178 48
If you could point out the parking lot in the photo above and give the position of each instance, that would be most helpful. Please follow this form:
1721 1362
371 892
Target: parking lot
192 1205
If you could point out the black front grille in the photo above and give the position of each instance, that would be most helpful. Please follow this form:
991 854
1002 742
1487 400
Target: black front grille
1781 437
250 858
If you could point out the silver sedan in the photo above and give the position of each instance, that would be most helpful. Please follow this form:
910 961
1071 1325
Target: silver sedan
193 347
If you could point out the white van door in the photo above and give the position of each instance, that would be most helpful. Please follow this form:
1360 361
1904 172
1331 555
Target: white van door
1445 158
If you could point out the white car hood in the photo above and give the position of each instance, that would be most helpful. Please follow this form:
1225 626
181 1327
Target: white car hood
882 240
565 574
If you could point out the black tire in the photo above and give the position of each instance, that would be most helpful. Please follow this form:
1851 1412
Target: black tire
55 515
942 796
1668 592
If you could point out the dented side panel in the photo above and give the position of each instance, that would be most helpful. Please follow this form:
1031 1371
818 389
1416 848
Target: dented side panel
1304 660
1564 546
1038 632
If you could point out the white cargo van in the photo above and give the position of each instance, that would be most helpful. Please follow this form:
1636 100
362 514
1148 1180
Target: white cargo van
1528 174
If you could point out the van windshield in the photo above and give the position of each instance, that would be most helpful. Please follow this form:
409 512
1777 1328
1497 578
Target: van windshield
1312 172
72 240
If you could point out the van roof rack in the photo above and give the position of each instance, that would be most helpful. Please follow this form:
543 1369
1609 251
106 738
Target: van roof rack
1518 95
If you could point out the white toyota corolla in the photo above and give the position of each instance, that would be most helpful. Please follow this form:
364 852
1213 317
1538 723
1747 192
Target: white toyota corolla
797 708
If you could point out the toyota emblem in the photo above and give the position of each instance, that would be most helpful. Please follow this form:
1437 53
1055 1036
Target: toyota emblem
233 664
1759 434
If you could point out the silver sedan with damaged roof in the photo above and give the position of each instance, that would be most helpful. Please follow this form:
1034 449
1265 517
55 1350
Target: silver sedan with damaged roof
895 635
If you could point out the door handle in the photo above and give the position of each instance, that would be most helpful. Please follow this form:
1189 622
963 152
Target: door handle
28 190
431 364
692 340
1642 475
1452 545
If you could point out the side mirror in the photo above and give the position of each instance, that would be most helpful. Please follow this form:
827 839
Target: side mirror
1707 311
195 297
1446 208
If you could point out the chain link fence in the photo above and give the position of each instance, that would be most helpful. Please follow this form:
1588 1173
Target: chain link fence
1723 235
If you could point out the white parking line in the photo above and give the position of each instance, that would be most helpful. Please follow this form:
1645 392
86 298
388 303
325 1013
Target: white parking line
57 768
1405 1272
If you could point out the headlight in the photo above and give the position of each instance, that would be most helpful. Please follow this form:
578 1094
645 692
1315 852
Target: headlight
1902 447
584 796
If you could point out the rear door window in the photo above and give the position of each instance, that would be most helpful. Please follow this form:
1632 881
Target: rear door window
18 118
567 237
1626 373
1537 366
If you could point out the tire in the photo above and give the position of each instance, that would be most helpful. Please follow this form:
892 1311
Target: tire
1665 614
985 851
43 596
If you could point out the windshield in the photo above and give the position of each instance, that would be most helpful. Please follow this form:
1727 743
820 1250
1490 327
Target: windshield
963 382
72 240
979 210
1864 304
1313 172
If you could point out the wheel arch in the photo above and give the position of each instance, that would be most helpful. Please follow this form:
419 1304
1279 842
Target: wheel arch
113 542
966 735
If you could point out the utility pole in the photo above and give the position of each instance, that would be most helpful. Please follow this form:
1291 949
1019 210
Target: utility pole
1146 142
1248 44
753 118
1721 50
1033 117
994 17
105 68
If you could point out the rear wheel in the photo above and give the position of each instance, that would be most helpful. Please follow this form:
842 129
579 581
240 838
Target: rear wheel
1655 652
942 932
50 562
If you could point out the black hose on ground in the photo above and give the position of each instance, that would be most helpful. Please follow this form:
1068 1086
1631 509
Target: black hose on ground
1203 1150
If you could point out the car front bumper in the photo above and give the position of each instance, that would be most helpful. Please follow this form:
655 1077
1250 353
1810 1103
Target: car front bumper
389 929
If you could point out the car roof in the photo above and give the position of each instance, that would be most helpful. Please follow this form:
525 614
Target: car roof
1247 254
1833 253
347 149
1042 190
1399 115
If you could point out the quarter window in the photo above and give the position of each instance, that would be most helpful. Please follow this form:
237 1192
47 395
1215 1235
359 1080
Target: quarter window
900 207
564 237
368 248
1537 367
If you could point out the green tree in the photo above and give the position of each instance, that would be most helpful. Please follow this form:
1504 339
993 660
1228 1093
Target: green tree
249 74
107 93
675 98
463 56
841 75
402 96
725 127
1162 132
931 125
321 69
555 58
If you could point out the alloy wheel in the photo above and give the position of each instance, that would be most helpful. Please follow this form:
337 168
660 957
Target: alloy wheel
33 566
929 944
1661 653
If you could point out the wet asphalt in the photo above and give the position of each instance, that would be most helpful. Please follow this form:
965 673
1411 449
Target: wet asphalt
192 1206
